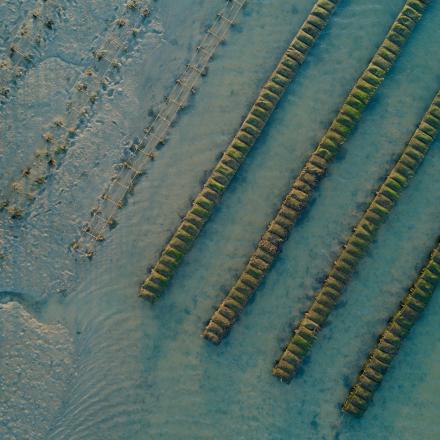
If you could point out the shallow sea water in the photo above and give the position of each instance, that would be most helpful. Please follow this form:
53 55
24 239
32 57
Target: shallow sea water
122 369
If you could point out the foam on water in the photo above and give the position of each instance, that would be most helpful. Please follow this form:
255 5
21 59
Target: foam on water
144 372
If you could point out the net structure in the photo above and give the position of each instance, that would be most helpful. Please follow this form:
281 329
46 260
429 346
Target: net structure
142 152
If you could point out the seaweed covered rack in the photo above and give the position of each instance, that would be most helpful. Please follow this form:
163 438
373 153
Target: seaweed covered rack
306 183
236 152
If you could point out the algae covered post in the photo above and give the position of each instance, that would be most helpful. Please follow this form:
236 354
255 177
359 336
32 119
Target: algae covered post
305 184
106 59
387 195
236 152
27 42
389 342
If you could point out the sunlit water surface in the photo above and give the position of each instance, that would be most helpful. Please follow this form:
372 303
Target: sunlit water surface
84 358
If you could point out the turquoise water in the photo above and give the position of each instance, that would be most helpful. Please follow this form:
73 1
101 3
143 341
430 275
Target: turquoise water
113 367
